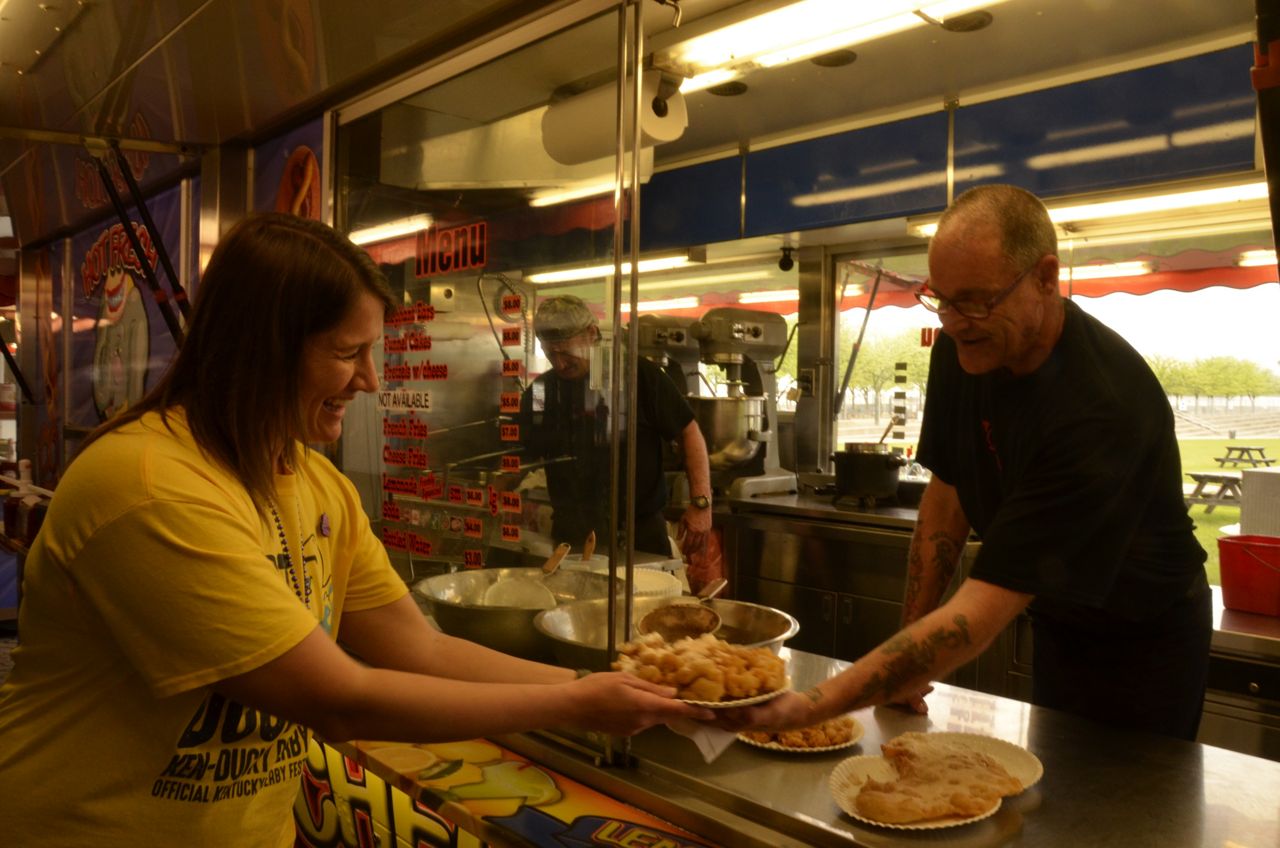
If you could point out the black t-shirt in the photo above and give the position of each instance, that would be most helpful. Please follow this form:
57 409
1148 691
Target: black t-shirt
1070 475
564 419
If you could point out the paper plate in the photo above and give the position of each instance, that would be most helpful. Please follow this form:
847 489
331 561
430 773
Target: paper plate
741 702
1018 761
850 774
790 749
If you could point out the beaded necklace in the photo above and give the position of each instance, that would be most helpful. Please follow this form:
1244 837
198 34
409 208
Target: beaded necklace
304 591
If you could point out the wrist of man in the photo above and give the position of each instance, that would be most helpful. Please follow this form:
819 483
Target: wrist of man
700 501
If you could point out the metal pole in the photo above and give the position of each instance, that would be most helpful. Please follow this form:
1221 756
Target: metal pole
179 293
148 273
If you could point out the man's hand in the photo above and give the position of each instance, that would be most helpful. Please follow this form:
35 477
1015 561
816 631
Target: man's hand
695 525
785 712
913 703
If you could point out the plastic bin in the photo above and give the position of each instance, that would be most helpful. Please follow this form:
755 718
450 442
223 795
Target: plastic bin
1250 567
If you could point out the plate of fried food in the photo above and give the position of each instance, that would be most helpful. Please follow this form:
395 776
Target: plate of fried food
834 734
706 671
933 780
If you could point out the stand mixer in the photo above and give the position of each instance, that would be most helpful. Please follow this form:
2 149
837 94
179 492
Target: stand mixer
741 428
666 342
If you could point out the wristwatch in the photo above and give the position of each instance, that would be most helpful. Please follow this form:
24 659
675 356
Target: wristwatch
701 501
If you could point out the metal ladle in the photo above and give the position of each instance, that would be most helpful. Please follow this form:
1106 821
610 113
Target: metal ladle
684 620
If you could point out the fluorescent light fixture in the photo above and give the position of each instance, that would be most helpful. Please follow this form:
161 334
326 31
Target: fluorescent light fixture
1147 205
1255 258
591 272
776 296
707 80
564 195
1113 269
706 280
805 28
1159 203
663 305
391 229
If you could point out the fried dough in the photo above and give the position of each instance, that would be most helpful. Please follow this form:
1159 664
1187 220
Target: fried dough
936 779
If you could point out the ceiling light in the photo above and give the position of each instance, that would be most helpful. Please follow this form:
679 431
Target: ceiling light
707 80
776 296
803 29
1254 258
590 272
706 280
1194 199
391 229
1113 269
564 195
663 305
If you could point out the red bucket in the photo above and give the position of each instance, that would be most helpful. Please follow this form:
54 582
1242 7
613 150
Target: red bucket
1250 573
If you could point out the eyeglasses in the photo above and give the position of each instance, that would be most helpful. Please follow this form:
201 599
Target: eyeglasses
975 310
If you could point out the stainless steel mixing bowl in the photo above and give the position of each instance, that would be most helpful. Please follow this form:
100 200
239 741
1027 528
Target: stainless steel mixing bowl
456 603
578 630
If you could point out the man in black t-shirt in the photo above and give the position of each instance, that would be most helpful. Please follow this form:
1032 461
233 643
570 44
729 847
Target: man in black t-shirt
563 419
1050 438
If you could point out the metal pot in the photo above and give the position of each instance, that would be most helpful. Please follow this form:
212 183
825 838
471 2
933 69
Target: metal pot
456 602
732 427
867 470
578 630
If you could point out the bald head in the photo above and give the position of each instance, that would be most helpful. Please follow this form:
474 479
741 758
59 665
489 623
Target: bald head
1015 216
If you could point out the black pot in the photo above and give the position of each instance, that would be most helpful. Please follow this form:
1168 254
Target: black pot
867 470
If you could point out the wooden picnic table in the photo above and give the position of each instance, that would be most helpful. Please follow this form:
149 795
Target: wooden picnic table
1251 455
1214 488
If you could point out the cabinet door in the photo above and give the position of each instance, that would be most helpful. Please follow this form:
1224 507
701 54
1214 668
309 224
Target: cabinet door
814 609
863 623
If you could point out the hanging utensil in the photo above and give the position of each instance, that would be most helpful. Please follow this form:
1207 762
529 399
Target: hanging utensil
553 562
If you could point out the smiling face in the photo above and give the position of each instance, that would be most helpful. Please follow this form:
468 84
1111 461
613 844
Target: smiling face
967 264
571 358
337 364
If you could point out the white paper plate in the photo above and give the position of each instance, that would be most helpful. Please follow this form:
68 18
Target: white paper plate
1018 761
741 702
789 749
850 774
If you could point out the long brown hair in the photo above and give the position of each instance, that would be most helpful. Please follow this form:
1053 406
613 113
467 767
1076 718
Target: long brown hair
273 281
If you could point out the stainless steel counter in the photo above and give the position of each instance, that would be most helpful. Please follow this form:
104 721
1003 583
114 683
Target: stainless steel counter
1100 786
825 508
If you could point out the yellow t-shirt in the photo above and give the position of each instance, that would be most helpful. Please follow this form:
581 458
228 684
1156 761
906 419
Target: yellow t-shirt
152 579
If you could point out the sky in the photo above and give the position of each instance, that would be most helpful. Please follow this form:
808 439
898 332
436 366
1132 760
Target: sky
1243 323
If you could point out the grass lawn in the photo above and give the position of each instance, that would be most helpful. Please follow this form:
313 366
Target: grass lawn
1200 455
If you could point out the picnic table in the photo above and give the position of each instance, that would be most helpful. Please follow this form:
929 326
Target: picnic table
1251 455
1214 488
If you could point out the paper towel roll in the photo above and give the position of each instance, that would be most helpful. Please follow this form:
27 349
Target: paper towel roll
584 127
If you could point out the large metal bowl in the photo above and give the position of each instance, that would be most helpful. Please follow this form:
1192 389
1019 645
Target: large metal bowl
456 602
578 630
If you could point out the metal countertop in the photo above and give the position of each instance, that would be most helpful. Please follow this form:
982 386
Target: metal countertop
1100 787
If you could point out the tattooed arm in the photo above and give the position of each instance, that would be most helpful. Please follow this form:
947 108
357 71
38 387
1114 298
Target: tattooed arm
940 533
925 650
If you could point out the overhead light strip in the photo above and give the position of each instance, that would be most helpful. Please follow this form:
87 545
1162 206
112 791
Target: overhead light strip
391 229
592 272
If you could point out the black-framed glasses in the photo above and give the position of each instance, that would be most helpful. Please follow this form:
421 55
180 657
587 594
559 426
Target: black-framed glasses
975 310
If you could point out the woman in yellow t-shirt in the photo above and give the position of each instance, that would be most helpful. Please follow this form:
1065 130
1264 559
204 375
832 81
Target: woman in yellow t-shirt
198 564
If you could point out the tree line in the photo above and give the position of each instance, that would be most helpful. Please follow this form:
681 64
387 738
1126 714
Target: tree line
1202 381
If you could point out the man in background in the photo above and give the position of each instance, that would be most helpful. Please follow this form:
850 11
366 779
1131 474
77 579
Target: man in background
562 417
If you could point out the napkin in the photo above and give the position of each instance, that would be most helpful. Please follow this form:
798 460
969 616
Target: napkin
711 740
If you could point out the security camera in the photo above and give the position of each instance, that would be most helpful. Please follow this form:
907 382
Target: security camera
786 263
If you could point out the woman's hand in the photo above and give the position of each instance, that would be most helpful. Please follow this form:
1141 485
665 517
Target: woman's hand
622 704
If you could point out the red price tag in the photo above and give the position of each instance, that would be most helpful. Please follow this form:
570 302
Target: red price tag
511 337
510 533
512 368
472 527
473 559
509 432
511 462
509 402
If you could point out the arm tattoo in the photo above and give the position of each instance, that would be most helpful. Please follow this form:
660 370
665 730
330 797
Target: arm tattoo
907 660
926 584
